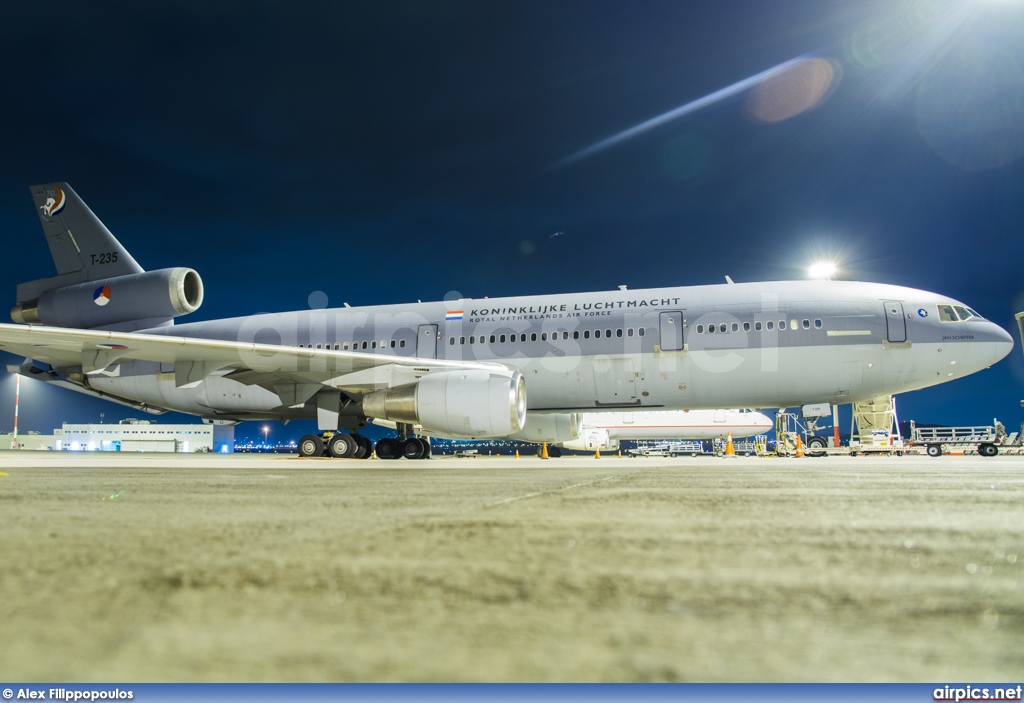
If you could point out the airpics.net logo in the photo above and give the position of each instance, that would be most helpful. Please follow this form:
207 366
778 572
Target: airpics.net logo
55 201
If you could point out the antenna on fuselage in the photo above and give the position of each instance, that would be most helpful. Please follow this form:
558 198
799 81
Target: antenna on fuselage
730 281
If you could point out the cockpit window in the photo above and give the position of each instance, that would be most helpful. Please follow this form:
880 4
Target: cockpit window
946 313
962 312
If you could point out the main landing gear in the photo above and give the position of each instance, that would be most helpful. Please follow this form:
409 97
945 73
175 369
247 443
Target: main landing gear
341 445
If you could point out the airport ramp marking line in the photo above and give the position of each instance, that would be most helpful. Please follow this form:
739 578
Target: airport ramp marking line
411 522
538 494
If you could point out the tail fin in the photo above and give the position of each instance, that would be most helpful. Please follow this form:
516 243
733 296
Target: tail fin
83 249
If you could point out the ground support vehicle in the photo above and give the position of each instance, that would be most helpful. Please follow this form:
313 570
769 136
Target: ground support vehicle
693 447
982 439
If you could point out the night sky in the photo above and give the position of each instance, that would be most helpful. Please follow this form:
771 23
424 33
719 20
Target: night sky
392 151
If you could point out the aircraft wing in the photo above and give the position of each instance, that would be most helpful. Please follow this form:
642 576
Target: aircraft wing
194 358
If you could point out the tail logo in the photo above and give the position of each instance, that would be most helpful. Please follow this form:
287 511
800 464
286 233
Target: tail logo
55 200
101 296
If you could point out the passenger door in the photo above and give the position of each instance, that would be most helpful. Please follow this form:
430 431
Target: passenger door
895 321
426 342
671 329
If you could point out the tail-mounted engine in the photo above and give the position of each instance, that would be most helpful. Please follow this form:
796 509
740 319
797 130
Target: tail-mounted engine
153 296
471 403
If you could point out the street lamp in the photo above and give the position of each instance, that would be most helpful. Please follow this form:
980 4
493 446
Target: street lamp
265 431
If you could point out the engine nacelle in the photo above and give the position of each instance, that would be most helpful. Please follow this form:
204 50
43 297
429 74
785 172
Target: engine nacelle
593 439
552 428
151 295
462 404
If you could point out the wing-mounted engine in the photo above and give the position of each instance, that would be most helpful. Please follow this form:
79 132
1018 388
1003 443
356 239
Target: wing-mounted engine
155 297
553 428
461 404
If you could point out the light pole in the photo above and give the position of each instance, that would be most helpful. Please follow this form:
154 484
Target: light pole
17 399
265 431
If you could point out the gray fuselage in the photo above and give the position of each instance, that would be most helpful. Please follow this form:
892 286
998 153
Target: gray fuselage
755 345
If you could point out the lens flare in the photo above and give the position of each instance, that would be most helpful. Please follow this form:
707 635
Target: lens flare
793 91
683 110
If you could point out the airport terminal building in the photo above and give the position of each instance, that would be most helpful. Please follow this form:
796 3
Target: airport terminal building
132 436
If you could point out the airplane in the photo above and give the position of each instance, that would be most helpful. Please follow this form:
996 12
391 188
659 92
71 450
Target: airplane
603 431
516 367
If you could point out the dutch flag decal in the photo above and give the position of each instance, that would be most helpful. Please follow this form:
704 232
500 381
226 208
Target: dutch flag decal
453 315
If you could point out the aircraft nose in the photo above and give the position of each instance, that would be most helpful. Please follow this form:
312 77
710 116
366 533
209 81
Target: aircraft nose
1002 342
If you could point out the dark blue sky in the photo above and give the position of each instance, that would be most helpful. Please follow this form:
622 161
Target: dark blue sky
394 151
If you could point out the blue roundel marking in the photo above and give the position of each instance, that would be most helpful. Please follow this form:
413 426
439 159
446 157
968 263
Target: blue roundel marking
922 312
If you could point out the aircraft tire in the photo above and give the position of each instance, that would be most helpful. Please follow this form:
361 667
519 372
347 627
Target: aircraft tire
413 448
342 446
816 446
389 448
311 446
364 447
554 452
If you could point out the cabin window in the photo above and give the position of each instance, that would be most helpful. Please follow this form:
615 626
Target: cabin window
575 334
770 325
318 346
565 334
793 324
462 340
586 334
501 339
782 325
700 329
597 334
544 336
629 331
401 343
721 328
746 326
641 331
946 313
807 324
817 324
451 341
711 329
533 336
735 327
618 333
344 347
608 334
365 345
393 344
373 344
757 326
472 340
